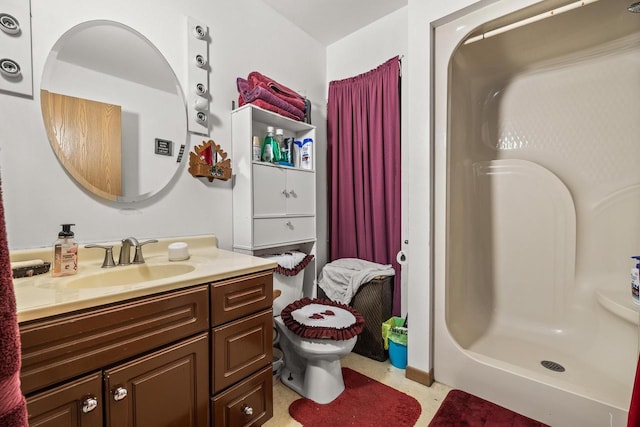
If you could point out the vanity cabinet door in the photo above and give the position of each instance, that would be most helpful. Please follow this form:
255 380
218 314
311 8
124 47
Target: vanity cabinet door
74 404
249 402
168 387
240 348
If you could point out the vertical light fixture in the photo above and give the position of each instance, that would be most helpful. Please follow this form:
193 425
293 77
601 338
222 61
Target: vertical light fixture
198 76
15 47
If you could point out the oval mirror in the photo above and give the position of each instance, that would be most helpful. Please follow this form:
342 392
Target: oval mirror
114 111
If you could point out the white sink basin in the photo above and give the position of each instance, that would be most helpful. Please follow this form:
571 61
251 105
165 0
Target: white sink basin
129 275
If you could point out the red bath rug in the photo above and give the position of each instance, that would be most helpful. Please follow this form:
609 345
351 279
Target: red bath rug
365 402
464 409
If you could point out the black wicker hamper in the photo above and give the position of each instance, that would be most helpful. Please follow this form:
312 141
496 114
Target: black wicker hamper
374 300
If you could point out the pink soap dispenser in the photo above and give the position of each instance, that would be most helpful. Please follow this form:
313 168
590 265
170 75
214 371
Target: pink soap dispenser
65 253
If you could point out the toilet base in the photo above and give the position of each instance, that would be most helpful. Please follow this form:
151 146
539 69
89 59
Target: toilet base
321 380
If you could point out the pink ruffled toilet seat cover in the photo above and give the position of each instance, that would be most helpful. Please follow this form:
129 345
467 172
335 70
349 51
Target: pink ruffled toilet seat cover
322 319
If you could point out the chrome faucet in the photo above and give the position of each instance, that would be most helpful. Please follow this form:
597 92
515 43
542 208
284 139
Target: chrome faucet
138 258
125 251
108 255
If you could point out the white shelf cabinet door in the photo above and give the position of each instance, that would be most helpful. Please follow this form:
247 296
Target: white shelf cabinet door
269 191
301 194
281 191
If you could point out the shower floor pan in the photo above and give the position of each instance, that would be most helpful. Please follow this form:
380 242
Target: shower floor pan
523 357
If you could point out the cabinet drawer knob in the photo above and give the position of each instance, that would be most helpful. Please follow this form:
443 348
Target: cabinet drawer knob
289 224
119 393
247 410
89 404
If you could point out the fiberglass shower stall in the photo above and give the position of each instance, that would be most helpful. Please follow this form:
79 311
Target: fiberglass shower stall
537 208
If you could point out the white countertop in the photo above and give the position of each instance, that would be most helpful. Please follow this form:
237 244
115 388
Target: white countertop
42 295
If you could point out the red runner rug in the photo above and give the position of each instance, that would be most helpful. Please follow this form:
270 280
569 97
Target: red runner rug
365 402
464 409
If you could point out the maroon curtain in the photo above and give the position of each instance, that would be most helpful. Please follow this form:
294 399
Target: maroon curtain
633 419
363 127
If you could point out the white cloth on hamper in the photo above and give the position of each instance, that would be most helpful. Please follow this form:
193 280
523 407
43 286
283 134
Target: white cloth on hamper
342 278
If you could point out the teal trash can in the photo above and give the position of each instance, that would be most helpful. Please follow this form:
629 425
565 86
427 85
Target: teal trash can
395 340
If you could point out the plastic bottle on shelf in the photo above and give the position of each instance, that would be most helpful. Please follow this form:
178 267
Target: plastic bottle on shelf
257 149
270 150
287 154
306 154
277 156
635 280
281 146
296 153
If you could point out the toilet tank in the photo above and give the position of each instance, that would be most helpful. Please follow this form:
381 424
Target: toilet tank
291 288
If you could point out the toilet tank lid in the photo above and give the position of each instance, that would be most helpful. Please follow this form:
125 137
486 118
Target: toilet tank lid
290 263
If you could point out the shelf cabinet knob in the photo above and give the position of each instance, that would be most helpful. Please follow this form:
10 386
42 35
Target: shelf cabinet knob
247 410
119 393
286 194
293 193
89 404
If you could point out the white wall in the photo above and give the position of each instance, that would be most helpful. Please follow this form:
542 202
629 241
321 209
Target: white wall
368 47
362 51
246 35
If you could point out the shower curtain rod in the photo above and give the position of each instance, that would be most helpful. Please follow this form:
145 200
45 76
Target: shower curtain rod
529 20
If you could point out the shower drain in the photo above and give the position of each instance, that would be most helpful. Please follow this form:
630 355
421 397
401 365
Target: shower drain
556 367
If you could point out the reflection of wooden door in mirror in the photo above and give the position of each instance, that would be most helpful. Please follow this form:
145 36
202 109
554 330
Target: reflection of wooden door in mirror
87 137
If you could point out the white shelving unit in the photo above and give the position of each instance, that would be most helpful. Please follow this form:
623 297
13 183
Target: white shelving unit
274 207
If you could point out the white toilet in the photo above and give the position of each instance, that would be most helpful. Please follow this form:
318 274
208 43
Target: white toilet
312 364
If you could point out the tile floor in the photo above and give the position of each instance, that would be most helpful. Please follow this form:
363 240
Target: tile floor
430 398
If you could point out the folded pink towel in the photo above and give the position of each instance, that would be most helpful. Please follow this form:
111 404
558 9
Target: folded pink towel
291 96
13 411
261 93
265 105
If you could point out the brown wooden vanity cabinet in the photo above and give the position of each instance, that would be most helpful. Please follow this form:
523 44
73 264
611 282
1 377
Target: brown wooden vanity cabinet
250 401
75 403
165 388
156 361
242 350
